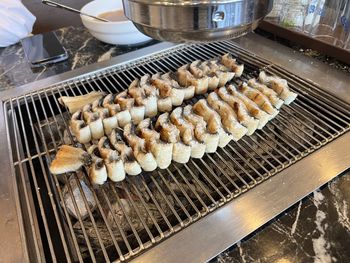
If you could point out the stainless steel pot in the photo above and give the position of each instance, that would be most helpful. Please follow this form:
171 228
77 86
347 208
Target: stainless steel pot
194 20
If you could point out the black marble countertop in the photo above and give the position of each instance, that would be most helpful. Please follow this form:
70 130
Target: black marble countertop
317 229
83 49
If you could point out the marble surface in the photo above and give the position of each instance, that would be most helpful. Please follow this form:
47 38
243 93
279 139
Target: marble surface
82 48
317 229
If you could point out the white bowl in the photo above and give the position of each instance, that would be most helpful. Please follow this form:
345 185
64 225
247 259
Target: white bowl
117 33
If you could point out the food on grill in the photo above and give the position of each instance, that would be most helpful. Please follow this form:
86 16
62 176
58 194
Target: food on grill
97 170
209 74
78 102
202 134
228 116
186 78
260 99
240 109
168 89
232 64
129 111
124 139
201 69
189 91
253 109
213 67
94 121
80 128
170 134
131 166
213 121
280 86
270 93
187 133
109 122
145 95
112 160
69 159
143 155
161 150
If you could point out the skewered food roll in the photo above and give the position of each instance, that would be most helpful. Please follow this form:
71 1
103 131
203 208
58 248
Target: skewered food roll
186 78
200 70
270 93
240 109
145 95
69 159
228 116
94 120
143 156
188 91
113 162
280 86
222 72
128 105
232 64
213 121
162 151
168 89
109 122
131 166
169 133
97 170
164 102
260 99
80 128
253 109
202 134
187 130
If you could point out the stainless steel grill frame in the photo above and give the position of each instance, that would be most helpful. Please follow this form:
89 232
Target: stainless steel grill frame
241 166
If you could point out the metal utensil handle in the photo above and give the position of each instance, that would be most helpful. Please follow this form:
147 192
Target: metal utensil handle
54 4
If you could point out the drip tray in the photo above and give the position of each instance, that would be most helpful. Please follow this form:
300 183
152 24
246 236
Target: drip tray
71 220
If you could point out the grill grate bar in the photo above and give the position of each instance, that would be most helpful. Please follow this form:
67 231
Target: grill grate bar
37 189
182 223
182 177
149 213
103 248
161 211
265 151
86 205
277 126
21 169
129 217
46 177
76 209
237 188
315 112
297 110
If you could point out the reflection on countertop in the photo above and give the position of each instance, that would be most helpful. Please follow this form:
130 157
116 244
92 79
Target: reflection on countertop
316 229
83 49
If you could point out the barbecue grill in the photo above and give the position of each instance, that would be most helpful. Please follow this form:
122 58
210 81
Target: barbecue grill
191 211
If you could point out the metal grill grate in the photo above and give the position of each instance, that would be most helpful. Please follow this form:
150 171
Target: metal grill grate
123 219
